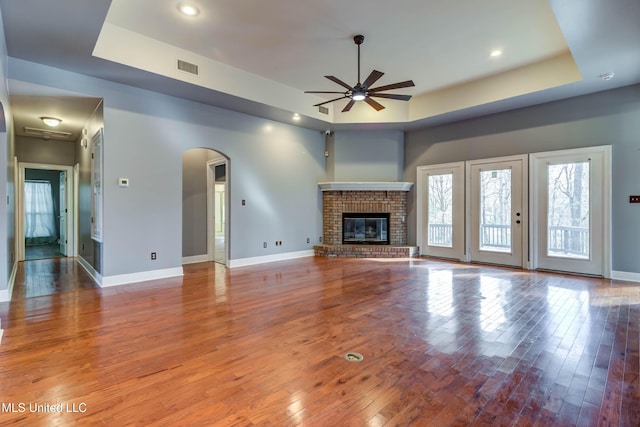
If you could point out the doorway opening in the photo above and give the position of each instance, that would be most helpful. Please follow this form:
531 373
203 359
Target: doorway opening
217 210
205 206
46 211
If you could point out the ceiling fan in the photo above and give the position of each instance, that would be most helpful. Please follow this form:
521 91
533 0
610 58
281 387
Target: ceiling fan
363 91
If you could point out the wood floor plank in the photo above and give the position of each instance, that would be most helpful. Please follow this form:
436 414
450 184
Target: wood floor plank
444 344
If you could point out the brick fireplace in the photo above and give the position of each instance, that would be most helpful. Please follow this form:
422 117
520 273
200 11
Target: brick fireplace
366 198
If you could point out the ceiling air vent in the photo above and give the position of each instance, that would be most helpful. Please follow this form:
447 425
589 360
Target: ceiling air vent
46 133
323 110
188 67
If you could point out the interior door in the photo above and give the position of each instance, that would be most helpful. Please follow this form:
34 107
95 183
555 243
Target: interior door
570 202
63 213
441 204
497 196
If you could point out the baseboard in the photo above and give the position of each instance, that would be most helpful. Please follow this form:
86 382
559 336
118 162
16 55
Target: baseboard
195 259
623 275
143 276
5 294
243 262
95 276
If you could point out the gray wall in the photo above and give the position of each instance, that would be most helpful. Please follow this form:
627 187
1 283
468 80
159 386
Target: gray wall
88 249
7 152
194 200
274 168
51 152
366 156
605 118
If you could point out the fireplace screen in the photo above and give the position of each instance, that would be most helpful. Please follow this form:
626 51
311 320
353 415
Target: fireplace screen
365 228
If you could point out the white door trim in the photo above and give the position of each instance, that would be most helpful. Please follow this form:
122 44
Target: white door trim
71 206
457 251
605 203
211 185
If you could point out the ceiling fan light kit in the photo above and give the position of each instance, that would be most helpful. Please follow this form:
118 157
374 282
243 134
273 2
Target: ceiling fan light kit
363 91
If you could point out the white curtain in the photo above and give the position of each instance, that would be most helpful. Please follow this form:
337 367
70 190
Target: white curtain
39 216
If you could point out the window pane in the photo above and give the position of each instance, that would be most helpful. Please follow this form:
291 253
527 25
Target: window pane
495 210
568 210
440 210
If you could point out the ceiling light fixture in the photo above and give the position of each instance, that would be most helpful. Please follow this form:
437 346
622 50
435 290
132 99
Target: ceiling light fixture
296 117
496 53
188 9
358 95
51 121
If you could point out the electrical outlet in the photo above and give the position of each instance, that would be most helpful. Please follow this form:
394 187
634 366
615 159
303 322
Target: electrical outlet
634 199
308 240
264 245
153 255
320 239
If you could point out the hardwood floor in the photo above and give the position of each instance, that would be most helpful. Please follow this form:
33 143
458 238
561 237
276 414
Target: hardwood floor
42 251
444 344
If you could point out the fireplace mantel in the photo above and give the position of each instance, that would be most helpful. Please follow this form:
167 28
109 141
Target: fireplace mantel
365 186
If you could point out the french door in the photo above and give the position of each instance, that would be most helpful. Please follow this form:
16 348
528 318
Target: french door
441 209
570 201
497 199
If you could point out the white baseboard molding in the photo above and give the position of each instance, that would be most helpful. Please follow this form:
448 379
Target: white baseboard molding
5 294
623 275
243 262
143 276
195 259
97 278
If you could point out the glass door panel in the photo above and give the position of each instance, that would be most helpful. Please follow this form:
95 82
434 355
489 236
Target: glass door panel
440 210
568 210
495 210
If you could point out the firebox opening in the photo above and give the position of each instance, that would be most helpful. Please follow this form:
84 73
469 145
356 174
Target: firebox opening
365 228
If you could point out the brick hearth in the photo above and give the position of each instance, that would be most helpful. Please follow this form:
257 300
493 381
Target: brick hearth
355 198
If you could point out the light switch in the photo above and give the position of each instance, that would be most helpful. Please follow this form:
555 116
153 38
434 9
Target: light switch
123 182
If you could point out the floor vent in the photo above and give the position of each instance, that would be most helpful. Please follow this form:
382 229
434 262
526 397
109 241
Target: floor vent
354 357
187 67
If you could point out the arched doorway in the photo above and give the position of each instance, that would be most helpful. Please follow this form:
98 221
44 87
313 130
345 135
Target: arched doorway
205 229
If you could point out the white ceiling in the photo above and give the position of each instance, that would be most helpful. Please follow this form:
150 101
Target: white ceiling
258 57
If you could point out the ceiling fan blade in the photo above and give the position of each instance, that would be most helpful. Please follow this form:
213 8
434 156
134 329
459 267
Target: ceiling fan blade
374 103
373 77
340 82
408 83
348 106
321 91
326 102
391 96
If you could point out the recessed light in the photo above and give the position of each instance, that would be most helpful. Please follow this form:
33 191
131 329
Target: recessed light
496 53
188 9
296 117
51 121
